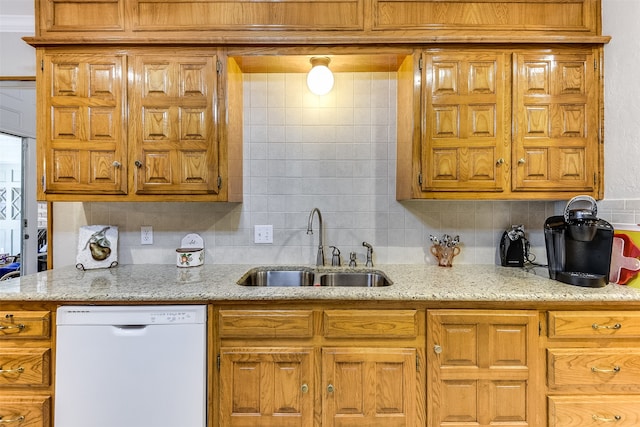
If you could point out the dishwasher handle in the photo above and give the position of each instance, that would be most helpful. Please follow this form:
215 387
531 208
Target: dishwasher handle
129 330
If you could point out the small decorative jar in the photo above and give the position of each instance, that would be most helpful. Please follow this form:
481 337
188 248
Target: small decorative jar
191 251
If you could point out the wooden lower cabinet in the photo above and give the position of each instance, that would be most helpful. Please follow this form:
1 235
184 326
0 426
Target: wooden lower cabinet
25 367
593 368
369 387
482 368
335 368
584 411
25 411
268 387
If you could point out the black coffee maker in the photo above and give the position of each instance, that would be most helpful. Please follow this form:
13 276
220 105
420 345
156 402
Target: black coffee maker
579 244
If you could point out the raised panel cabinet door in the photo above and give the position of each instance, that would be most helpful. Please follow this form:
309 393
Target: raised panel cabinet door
173 126
266 387
84 143
556 122
373 387
482 368
465 121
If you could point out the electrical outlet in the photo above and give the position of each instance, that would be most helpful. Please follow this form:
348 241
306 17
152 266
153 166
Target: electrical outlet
263 234
146 235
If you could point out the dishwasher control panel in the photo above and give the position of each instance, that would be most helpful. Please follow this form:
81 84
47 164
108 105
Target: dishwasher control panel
165 317
131 315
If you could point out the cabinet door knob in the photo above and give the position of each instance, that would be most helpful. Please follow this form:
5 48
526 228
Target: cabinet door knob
437 349
304 388
500 161
330 388
117 164
138 163
521 161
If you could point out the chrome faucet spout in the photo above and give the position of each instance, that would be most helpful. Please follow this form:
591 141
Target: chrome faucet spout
320 256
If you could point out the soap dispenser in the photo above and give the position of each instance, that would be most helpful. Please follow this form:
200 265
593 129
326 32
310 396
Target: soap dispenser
335 257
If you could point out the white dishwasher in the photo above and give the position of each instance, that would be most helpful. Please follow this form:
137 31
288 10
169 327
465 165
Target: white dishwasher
131 366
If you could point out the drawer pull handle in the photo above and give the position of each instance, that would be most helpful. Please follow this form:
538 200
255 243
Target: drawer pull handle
11 371
616 418
615 370
12 420
19 327
596 326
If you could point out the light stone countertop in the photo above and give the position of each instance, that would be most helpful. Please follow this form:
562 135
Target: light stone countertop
168 283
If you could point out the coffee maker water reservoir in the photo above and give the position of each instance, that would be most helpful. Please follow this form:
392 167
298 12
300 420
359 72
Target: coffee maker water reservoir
579 244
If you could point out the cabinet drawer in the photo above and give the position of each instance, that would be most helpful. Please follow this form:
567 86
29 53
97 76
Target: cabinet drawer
265 323
587 411
594 324
370 323
580 367
28 366
25 411
24 324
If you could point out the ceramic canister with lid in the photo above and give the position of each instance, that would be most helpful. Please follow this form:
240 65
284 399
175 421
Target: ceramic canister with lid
191 251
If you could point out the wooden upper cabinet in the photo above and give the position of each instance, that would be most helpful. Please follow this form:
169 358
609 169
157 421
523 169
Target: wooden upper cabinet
81 104
556 127
318 21
169 15
139 124
501 124
173 124
466 111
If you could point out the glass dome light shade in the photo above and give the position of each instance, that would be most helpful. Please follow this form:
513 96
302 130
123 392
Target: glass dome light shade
320 78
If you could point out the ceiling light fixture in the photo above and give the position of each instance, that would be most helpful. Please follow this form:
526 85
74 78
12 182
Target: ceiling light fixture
320 78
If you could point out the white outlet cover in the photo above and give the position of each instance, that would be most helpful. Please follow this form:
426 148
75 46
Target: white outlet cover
146 235
263 234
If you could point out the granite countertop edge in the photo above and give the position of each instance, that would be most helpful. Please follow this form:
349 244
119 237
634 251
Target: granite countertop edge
217 282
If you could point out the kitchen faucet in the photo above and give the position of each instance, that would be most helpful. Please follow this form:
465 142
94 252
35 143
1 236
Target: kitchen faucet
369 254
320 256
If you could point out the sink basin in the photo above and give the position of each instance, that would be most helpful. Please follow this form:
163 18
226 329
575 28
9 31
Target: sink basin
368 279
277 277
302 276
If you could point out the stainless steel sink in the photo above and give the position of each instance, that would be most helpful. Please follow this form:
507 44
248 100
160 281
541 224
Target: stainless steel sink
277 277
302 276
369 279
